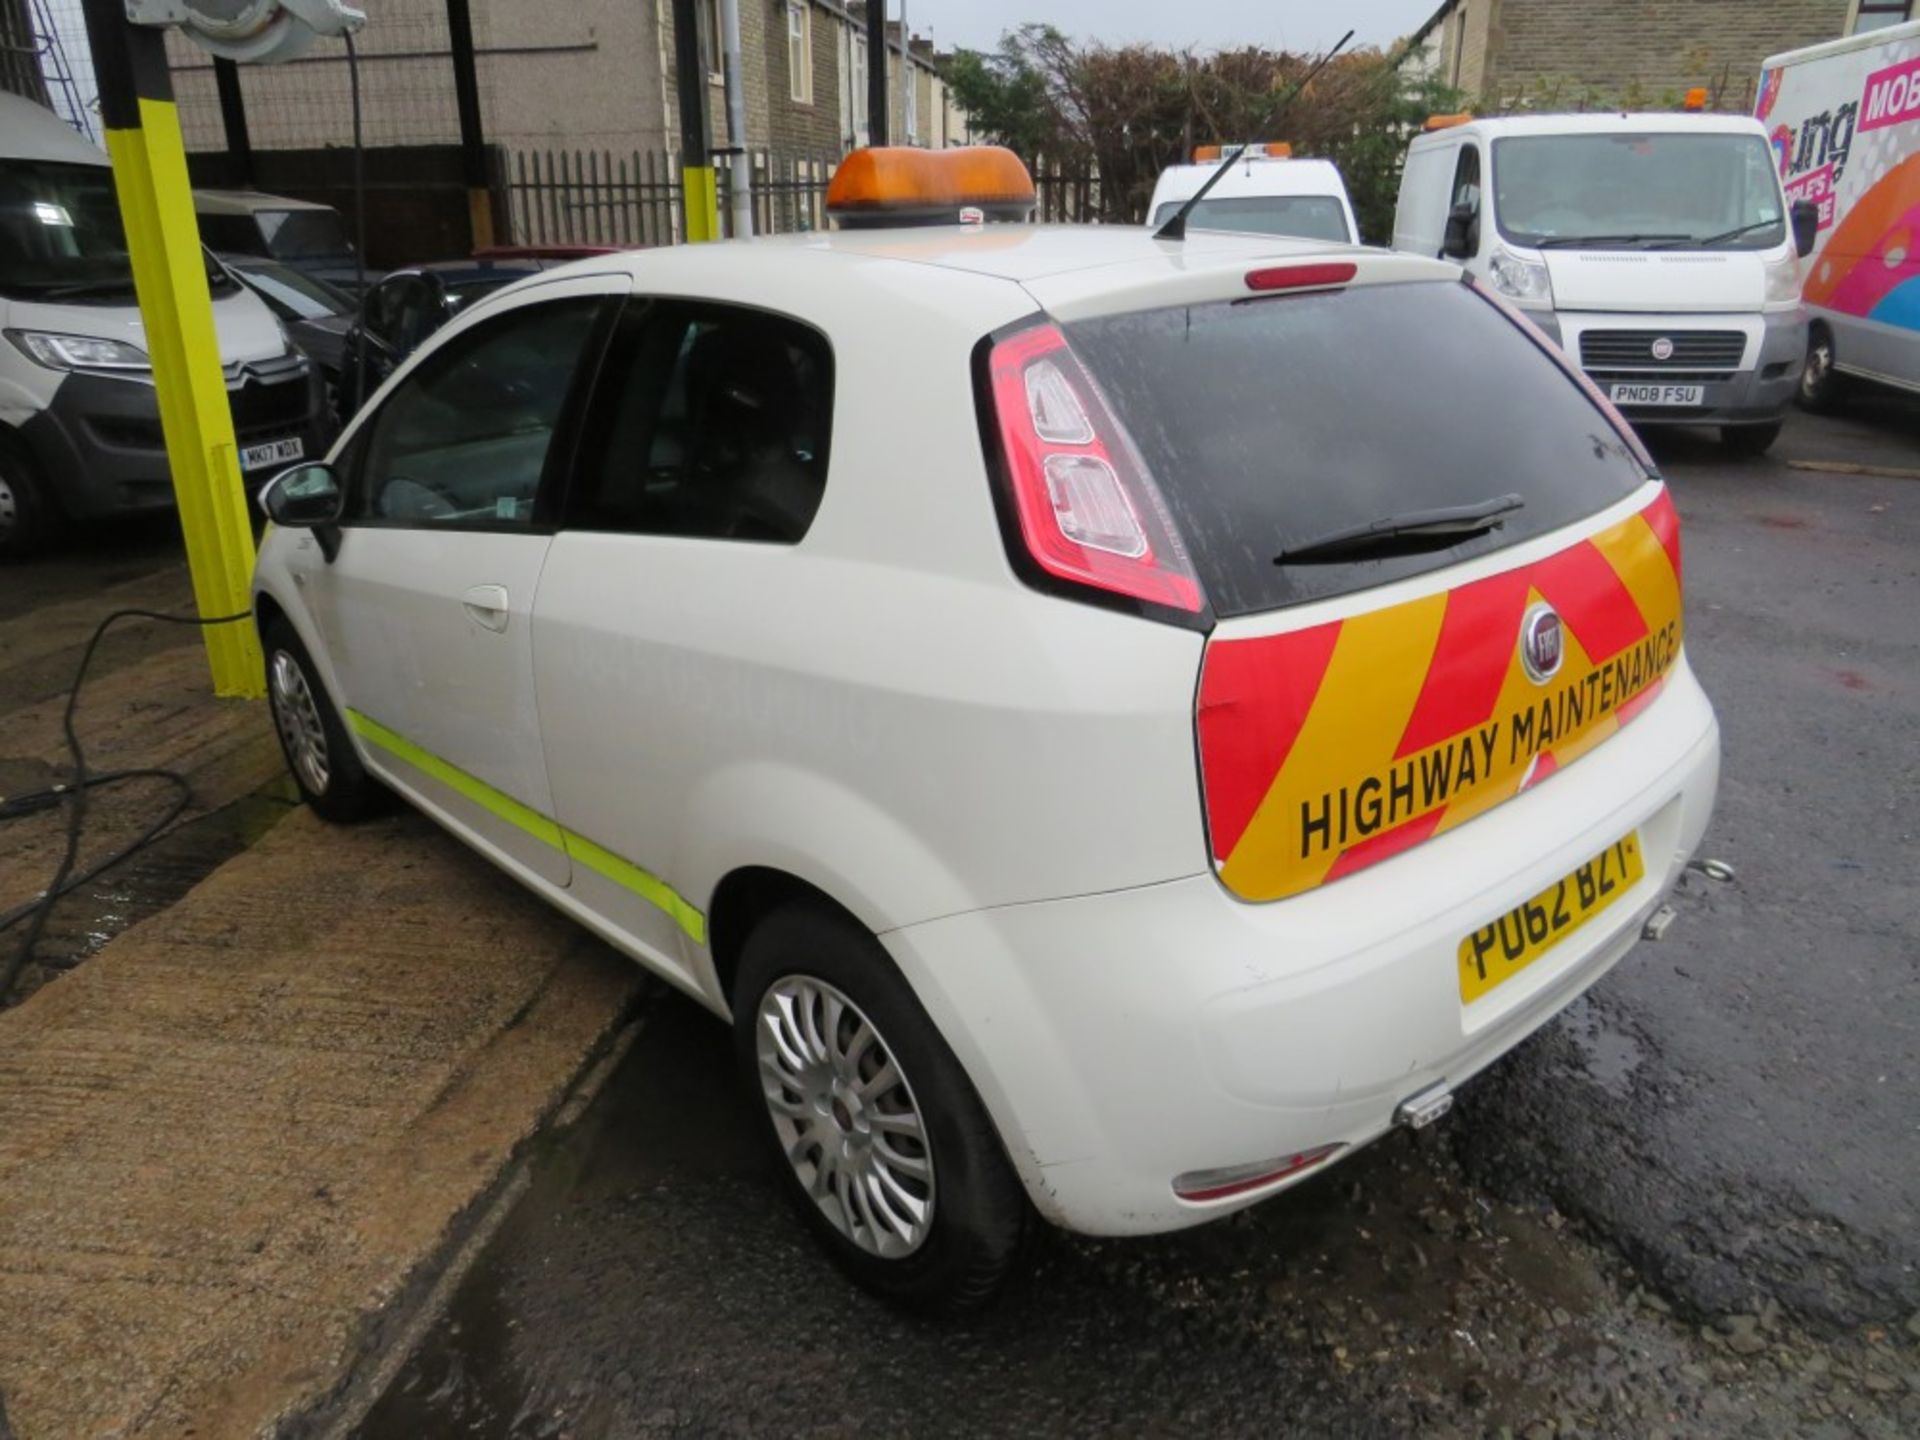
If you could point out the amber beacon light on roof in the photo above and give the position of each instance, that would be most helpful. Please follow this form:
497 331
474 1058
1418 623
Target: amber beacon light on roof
897 185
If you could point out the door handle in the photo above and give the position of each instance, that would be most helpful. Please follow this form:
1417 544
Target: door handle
487 604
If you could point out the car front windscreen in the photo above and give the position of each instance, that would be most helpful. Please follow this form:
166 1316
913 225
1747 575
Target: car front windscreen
1310 217
304 234
1657 189
293 296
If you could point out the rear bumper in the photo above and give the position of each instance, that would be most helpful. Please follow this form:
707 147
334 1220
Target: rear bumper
99 445
1120 1040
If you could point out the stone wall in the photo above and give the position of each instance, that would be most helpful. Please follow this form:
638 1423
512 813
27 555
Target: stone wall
1572 54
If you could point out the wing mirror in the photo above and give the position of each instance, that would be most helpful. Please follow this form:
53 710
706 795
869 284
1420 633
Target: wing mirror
307 497
1460 242
1806 226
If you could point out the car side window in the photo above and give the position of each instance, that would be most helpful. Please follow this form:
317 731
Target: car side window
462 442
713 422
416 315
378 312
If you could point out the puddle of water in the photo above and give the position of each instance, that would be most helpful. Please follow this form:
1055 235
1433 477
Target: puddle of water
152 879
1610 1056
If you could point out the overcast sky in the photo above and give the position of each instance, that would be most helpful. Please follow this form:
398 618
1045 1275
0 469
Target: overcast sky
1299 25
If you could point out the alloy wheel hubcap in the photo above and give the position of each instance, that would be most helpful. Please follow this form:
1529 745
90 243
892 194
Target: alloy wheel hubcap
9 506
299 721
845 1116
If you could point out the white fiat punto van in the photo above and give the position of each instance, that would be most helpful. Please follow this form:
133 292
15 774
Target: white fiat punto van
1117 724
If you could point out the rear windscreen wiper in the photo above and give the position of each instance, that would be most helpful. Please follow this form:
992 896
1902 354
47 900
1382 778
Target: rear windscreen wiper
1404 534
1563 242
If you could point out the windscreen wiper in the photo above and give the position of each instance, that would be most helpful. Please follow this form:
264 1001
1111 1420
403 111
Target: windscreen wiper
1724 235
78 289
1404 534
1563 242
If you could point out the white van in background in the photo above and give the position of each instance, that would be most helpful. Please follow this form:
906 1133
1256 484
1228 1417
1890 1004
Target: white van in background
1844 121
79 422
1267 192
1658 250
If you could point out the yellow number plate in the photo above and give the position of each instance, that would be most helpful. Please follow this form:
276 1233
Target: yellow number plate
1498 951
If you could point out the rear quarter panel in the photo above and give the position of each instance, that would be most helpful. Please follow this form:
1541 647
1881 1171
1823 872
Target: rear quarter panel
884 710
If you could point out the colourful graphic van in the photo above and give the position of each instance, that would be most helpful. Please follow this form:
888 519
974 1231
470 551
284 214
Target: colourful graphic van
1844 121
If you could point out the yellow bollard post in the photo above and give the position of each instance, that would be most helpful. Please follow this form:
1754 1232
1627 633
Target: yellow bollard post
169 275
699 190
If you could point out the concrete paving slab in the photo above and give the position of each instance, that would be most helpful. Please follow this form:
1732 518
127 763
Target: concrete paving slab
156 708
238 1130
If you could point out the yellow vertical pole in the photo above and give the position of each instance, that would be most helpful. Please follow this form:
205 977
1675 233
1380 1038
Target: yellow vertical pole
702 191
169 275
699 190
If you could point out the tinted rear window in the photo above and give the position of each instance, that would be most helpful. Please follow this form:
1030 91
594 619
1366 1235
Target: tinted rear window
1269 423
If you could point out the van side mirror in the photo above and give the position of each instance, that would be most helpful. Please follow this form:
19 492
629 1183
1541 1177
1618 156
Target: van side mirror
1806 226
1461 239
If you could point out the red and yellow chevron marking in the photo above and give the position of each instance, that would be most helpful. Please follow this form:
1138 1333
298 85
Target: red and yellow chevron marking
1325 750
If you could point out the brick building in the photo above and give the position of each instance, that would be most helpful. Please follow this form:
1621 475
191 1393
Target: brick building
1569 54
589 74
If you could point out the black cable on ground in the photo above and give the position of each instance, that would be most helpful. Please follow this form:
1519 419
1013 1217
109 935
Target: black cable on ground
73 793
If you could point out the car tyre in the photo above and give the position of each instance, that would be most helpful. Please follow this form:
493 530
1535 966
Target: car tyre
1750 440
319 754
1822 387
29 520
868 1111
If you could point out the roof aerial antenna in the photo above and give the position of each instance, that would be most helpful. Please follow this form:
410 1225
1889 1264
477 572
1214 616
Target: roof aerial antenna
1176 226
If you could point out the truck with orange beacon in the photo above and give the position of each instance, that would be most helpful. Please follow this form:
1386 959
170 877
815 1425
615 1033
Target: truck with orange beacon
1844 121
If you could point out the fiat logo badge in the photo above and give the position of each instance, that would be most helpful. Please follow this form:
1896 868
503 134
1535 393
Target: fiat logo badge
1542 643
1663 349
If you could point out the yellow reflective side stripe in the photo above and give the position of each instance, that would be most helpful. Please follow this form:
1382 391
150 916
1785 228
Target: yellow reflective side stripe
597 858
496 802
647 886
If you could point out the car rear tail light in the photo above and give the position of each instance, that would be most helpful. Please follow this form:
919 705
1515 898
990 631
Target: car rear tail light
1087 510
1202 1185
1302 277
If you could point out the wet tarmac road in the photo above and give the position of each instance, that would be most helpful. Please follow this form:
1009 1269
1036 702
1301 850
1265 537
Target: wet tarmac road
1687 1207
1765 1138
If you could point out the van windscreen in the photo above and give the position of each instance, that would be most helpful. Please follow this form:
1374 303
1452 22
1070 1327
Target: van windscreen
304 234
1311 217
60 235
1663 191
1270 423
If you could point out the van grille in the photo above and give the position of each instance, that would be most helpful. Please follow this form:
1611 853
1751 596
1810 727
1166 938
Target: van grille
1665 377
269 398
1633 349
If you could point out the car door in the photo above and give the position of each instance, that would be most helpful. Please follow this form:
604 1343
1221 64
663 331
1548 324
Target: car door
426 608
703 462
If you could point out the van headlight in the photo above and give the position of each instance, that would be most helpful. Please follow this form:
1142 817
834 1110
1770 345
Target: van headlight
78 352
1525 282
1783 279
